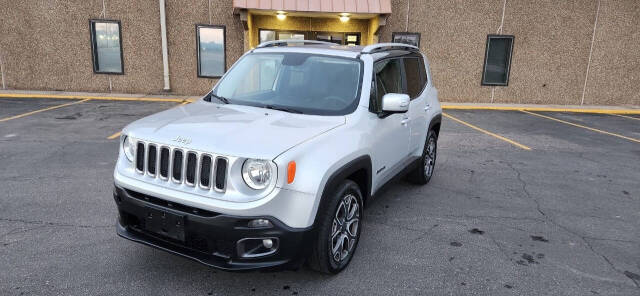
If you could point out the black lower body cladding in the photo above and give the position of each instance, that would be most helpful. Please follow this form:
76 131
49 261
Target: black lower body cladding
218 240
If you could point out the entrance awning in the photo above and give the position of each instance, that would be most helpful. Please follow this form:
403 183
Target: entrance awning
321 6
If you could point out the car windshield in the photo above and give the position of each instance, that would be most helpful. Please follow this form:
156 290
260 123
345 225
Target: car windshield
293 82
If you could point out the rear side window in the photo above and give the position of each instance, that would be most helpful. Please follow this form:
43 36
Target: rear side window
415 75
388 79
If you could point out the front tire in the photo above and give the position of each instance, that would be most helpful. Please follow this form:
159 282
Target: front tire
427 163
338 229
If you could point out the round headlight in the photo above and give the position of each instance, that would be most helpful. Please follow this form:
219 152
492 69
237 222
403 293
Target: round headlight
127 147
257 173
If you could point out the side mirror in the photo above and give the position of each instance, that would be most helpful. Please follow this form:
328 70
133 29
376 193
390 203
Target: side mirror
395 103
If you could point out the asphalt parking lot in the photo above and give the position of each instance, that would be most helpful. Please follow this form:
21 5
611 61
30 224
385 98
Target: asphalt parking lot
559 218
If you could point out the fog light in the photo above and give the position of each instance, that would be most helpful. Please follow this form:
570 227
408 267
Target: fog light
260 223
257 247
267 243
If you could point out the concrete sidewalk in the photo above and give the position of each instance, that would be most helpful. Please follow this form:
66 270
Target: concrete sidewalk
626 109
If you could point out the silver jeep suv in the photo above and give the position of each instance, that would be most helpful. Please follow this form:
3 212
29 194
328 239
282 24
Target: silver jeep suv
273 167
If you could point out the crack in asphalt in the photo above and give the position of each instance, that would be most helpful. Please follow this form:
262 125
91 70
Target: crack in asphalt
550 220
55 224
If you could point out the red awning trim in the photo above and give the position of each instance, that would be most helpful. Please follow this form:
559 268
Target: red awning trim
324 6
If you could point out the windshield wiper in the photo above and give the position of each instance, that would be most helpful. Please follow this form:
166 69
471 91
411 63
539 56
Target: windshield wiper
220 98
272 107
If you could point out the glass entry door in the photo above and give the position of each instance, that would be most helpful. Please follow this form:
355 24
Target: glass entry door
333 37
290 36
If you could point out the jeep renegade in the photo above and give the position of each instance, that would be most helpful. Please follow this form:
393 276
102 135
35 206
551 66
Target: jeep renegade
275 164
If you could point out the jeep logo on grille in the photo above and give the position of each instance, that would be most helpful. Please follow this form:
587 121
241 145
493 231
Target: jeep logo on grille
181 140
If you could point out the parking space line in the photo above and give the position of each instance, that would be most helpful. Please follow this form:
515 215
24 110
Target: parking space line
42 110
114 136
512 142
582 126
629 117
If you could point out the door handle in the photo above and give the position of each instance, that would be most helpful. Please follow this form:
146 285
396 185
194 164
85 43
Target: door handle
404 121
427 107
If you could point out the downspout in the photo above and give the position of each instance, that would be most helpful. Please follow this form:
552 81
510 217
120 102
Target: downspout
4 86
165 54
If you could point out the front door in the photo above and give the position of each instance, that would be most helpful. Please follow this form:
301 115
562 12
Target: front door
392 131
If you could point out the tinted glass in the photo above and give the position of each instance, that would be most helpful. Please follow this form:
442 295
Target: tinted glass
289 36
267 35
388 78
415 79
107 57
211 51
498 58
407 38
299 82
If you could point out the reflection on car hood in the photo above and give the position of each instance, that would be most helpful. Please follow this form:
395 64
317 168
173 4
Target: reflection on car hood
233 130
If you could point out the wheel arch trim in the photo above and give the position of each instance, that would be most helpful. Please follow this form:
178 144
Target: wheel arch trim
359 163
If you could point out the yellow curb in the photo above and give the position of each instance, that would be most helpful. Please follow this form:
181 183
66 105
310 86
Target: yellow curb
444 106
543 109
75 97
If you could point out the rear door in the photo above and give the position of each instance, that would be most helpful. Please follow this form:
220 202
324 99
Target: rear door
415 77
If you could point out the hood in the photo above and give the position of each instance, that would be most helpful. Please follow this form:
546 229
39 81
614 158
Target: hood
233 130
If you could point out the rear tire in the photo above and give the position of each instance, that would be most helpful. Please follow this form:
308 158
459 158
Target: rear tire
426 164
338 229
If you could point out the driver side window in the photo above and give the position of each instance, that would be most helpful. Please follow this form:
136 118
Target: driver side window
387 79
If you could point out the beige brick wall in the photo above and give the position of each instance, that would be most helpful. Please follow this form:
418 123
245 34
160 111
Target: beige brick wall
551 48
45 45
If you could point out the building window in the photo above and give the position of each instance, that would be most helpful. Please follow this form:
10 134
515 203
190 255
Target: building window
291 35
267 35
106 44
406 38
352 38
349 38
211 51
497 60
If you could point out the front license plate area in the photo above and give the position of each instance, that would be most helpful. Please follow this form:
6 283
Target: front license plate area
164 223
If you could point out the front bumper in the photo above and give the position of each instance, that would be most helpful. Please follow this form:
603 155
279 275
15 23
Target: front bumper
210 238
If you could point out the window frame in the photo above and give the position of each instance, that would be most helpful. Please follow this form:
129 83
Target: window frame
94 46
224 51
403 77
394 34
486 57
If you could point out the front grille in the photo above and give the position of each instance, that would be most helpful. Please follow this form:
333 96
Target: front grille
164 162
205 171
221 173
177 166
140 157
152 159
180 166
191 168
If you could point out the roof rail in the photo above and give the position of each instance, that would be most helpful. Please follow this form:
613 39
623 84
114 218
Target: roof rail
388 46
288 41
